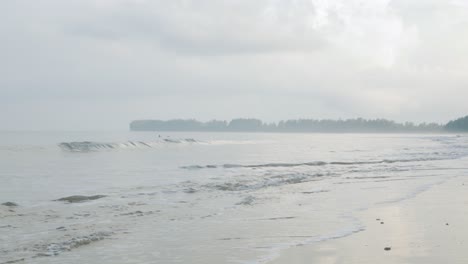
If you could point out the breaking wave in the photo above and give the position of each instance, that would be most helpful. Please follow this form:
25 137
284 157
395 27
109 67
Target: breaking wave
266 181
54 249
85 146
314 164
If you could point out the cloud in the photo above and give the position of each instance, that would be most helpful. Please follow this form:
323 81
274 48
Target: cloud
204 27
314 58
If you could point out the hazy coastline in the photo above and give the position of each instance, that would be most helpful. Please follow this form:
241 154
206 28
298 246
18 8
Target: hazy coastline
358 125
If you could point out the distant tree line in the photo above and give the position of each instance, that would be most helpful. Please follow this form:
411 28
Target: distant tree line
300 125
458 125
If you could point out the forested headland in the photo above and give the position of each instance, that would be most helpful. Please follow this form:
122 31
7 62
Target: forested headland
358 125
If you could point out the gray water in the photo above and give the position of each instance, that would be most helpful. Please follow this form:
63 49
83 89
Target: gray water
203 197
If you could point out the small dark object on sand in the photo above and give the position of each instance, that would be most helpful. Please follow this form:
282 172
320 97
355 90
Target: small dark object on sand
381 223
387 248
446 224
10 204
80 198
378 219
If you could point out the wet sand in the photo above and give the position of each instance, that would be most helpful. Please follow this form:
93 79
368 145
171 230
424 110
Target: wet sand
431 227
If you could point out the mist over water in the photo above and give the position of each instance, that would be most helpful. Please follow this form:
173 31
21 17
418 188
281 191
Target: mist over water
203 197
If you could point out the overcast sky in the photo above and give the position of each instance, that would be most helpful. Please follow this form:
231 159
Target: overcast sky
98 64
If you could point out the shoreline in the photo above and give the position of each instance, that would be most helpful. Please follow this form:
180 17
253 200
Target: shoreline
427 228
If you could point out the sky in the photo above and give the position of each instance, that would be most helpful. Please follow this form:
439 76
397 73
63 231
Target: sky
98 64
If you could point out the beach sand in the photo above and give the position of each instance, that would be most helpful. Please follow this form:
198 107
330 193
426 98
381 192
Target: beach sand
431 227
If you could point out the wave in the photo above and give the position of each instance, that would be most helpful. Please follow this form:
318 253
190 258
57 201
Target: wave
314 163
265 182
54 249
86 146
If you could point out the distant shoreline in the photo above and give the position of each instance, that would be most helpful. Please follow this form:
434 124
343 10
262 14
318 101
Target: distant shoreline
313 132
358 125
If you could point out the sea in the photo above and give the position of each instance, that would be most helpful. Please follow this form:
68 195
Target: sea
199 197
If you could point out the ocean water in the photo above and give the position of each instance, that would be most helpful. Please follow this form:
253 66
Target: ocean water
203 197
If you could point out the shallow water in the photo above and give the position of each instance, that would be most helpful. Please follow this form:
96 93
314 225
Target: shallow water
203 197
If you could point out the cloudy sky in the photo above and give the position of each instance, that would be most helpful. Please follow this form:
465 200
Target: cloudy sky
98 64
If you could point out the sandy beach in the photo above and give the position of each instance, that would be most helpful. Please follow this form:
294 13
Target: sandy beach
428 228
